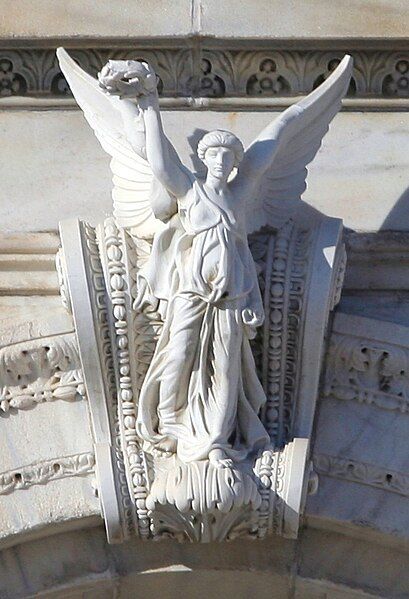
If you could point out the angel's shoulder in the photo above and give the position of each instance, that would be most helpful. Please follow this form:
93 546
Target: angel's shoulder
190 194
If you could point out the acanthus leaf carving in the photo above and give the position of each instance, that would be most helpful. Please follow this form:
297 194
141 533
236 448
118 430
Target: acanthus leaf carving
367 371
40 370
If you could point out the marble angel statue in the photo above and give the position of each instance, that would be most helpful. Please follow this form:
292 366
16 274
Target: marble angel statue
201 398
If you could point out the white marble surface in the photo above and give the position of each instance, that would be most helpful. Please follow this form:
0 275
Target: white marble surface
47 431
85 19
351 560
341 501
363 433
46 509
361 173
316 19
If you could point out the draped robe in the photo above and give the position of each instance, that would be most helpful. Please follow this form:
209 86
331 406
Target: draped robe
201 391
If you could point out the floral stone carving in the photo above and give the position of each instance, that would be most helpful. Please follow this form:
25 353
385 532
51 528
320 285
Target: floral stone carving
37 370
368 362
200 314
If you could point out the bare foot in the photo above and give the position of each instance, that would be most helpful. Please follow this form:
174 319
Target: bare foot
165 448
218 458
169 445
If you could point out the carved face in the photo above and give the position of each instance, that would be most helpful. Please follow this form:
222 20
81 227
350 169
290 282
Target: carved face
220 161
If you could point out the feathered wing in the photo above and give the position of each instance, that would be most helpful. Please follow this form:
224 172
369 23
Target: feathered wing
133 179
294 139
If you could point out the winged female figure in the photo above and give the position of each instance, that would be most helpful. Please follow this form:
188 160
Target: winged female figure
201 398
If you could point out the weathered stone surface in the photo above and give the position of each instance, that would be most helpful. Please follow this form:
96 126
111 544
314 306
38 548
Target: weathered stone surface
277 19
150 570
125 18
362 426
350 560
315 19
47 509
325 564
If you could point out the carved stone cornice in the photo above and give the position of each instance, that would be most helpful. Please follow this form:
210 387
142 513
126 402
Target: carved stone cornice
251 76
27 264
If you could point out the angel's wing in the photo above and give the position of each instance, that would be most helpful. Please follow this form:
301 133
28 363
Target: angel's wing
133 179
293 140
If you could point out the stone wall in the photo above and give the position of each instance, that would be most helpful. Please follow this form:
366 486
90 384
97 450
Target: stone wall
218 67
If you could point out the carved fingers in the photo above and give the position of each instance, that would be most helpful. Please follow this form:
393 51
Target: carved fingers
251 317
251 320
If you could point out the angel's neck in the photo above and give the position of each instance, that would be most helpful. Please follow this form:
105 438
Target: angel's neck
218 186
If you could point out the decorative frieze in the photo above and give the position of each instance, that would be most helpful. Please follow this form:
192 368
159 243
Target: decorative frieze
366 368
119 259
43 472
88 301
283 266
40 370
362 473
217 73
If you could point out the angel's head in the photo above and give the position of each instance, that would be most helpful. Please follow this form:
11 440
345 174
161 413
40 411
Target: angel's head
220 151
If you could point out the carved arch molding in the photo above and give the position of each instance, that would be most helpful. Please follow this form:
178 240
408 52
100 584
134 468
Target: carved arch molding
300 267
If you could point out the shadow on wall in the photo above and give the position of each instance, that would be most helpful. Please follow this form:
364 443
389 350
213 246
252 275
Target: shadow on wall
198 167
396 220
398 217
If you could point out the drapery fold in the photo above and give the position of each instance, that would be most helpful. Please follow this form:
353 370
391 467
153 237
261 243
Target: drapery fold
201 391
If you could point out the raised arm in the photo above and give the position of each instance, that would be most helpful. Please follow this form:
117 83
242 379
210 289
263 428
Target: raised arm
161 155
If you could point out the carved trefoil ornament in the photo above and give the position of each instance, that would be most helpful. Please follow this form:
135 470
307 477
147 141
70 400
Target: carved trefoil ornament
196 70
200 309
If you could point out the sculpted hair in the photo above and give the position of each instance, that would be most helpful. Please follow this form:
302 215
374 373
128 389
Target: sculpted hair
217 138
